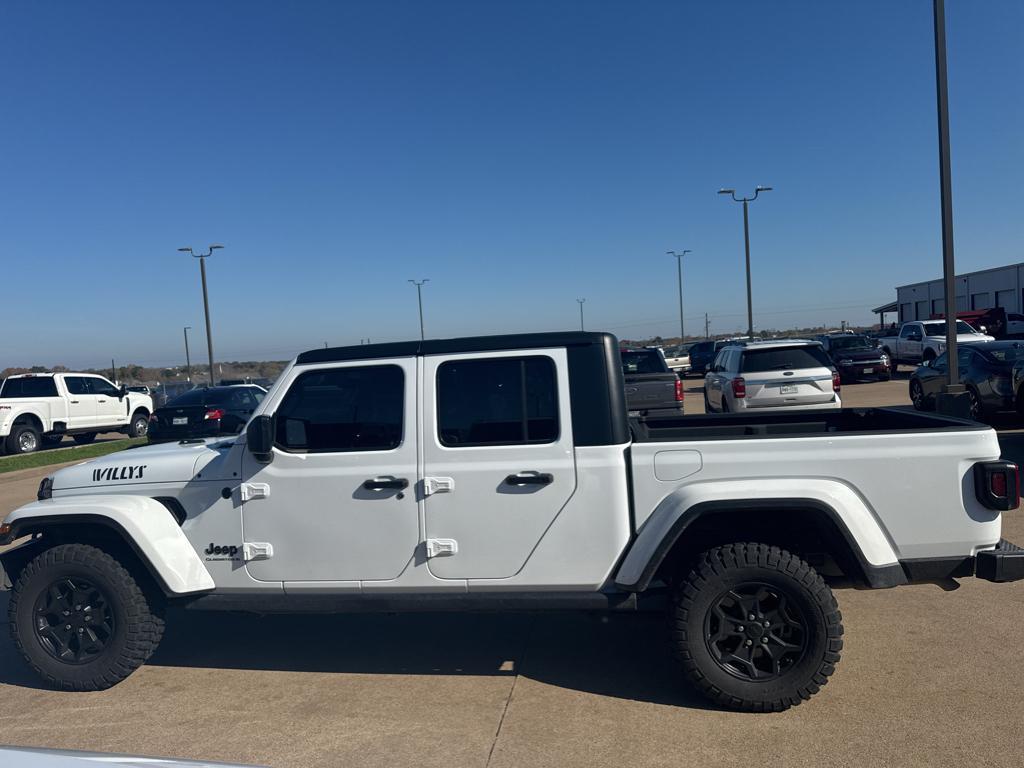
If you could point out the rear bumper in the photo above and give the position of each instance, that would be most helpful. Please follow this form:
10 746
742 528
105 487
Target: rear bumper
1002 563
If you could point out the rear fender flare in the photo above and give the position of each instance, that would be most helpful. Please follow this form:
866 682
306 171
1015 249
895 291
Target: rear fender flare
864 534
143 523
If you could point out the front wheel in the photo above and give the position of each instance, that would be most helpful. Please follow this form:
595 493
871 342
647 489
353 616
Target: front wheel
917 396
139 425
755 628
976 408
80 620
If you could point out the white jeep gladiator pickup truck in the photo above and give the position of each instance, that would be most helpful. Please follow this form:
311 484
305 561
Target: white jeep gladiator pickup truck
918 342
503 473
41 408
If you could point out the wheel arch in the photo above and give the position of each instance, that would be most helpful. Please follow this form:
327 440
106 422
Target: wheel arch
140 529
30 418
802 525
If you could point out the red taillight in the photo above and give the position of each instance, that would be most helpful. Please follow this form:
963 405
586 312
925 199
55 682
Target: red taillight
679 390
739 387
997 484
214 413
837 382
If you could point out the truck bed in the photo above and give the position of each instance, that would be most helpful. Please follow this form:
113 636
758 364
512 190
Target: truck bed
852 421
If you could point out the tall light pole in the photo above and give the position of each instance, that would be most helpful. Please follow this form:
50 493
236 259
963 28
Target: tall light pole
206 302
679 265
188 360
581 302
746 245
419 298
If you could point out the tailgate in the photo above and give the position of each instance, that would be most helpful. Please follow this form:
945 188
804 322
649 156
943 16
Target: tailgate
788 388
183 417
651 390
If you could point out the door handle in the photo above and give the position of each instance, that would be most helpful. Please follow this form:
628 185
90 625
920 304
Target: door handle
380 483
75 402
101 401
522 478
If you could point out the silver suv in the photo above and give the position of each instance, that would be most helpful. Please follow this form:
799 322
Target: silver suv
771 375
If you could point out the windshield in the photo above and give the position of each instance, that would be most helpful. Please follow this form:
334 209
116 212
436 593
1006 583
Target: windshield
851 342
1007 354
939 328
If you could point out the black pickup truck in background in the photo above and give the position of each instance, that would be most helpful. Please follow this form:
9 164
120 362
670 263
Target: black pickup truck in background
652 388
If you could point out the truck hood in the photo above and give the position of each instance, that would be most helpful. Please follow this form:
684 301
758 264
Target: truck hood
161 463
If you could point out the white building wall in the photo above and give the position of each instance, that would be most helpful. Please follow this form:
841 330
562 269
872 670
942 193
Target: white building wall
1002 286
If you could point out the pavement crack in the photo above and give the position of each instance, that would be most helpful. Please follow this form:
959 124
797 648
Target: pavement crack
508 700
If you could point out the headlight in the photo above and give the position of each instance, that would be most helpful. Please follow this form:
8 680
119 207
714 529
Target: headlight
45 489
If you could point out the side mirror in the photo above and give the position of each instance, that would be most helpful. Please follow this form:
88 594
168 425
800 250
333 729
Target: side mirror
259 437
122 393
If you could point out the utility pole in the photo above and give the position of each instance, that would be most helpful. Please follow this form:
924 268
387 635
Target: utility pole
954 400
746 245
707 327
419 298
679 266
581 303
113 371
206 302
188 360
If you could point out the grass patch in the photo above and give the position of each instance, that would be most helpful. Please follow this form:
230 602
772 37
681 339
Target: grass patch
61 455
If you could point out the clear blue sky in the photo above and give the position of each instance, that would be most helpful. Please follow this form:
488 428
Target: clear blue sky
520 154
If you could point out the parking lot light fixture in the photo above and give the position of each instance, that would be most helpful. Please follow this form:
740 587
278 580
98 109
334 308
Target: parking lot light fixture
419 298
746 245
679 270
188 361
206 302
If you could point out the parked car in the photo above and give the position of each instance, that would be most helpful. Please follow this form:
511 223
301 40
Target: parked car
771 375
678 359
504 473
856 357
142 389
39 409
205 412
651 388
919 342
703 353
986 370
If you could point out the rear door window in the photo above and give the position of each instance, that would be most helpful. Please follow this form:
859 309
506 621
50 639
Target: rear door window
77 385
643 361
784 358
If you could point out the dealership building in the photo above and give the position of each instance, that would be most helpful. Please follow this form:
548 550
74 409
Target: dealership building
987 288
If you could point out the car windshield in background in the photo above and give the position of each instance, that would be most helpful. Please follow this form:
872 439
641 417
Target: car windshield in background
196 397
1009 354
783 358
851 342
42 386
643 361
939 329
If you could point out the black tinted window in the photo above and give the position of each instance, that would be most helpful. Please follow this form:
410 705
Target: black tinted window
343 409
77 385
192 397
643 361
34 386
102 387
776 359
498 401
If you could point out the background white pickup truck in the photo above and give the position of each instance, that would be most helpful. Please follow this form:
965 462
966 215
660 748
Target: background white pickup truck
918 341
503 473
40 409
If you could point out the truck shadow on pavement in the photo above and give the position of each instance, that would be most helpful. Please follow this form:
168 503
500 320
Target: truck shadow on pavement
623 656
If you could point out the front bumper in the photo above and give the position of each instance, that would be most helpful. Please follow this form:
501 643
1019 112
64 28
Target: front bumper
1004 563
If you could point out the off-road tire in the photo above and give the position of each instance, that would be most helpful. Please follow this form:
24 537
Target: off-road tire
85 438
137 617
723 569
16 444
139 425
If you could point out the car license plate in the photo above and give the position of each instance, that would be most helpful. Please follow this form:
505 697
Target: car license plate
178 420
788 389
869 370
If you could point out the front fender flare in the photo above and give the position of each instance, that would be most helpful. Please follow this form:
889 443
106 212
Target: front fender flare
855 520
143 523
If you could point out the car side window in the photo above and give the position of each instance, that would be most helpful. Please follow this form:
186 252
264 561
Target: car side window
77 385
337 410
964 357
497 401
908 330
940 362
102 386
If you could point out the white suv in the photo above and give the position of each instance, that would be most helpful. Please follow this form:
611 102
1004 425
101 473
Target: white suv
771 375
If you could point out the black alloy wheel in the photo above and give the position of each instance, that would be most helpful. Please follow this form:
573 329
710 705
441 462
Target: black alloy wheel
917 395
754 631
73 620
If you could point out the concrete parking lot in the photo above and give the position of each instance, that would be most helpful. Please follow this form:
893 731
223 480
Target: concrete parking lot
928 677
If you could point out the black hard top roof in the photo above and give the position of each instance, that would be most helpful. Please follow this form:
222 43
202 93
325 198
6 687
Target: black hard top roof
453 346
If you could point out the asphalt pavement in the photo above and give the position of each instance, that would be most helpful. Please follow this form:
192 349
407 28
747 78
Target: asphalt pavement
928 678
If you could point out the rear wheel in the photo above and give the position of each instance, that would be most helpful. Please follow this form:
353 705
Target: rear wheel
977 411
85 439
80 619
755 628
24 438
